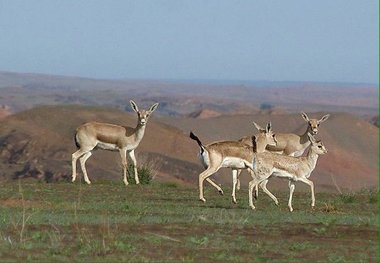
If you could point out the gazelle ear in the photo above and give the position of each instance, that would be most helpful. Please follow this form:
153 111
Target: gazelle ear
305 117
258 127
324 118
134 106
269 127
153 107
311 138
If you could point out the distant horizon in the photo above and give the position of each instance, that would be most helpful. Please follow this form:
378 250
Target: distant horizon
205 81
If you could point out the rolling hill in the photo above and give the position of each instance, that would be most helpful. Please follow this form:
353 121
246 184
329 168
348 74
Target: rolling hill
352 161
38 143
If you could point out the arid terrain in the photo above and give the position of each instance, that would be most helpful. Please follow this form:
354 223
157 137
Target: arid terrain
37 141
45 217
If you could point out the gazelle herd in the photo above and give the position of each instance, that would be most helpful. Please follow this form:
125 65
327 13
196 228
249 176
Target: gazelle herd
263 155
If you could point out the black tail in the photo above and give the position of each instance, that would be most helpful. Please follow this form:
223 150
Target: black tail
195 138
76 141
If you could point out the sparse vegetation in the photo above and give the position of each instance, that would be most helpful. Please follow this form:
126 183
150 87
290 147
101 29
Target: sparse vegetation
107 221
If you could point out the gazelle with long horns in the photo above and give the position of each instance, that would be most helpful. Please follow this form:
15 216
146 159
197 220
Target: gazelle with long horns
111 137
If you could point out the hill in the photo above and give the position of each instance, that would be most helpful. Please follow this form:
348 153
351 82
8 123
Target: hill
38 143
352 161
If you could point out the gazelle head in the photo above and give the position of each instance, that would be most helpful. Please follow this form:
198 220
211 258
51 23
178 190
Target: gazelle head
317 146
266 135
314 123
143 115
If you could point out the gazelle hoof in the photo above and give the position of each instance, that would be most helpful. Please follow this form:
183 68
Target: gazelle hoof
290 209
221 192
88 182
252 207
234 201
202 199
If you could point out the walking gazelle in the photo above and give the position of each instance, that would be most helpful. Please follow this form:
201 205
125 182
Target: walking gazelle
293 168
289 143
231 154
110 137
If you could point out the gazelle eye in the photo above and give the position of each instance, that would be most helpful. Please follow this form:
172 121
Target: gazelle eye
273 135
319 146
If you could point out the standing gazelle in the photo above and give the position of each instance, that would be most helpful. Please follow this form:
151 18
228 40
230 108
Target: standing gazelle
294 168
110 137
230 154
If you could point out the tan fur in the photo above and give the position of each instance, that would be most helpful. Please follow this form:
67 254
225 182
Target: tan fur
291 144
230 154
294 168
110 137
294 145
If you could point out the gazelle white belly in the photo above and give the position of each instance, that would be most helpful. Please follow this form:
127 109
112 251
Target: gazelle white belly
282 173
233 162
107 146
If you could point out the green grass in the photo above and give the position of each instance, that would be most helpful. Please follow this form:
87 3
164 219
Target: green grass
108 221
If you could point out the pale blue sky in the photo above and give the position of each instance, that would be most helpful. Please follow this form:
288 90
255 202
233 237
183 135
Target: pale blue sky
319 40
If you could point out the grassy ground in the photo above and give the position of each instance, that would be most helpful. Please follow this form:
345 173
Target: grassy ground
106 221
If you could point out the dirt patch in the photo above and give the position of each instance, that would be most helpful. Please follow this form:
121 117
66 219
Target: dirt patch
19 203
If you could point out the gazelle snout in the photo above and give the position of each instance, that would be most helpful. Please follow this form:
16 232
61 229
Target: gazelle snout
313 124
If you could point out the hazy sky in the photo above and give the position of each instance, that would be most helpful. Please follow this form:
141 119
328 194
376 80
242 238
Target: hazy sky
291 40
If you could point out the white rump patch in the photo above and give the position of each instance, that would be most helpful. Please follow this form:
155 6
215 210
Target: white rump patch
204 158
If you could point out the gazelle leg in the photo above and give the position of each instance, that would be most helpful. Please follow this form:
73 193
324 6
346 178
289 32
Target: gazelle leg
74 158
238 180
263 186
255 181
83 160
123 156
256 195
203 176
250 192
131 155
311 184
220 190
291 188
234 183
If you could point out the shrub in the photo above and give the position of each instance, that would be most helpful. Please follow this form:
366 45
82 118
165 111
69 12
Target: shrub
144 172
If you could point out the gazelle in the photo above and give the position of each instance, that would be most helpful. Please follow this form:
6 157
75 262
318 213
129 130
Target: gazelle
294 168
289 143
228 154
110 137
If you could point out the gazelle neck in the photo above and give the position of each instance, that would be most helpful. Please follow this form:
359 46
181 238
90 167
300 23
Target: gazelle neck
139 131
304 139
312 158
260 144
